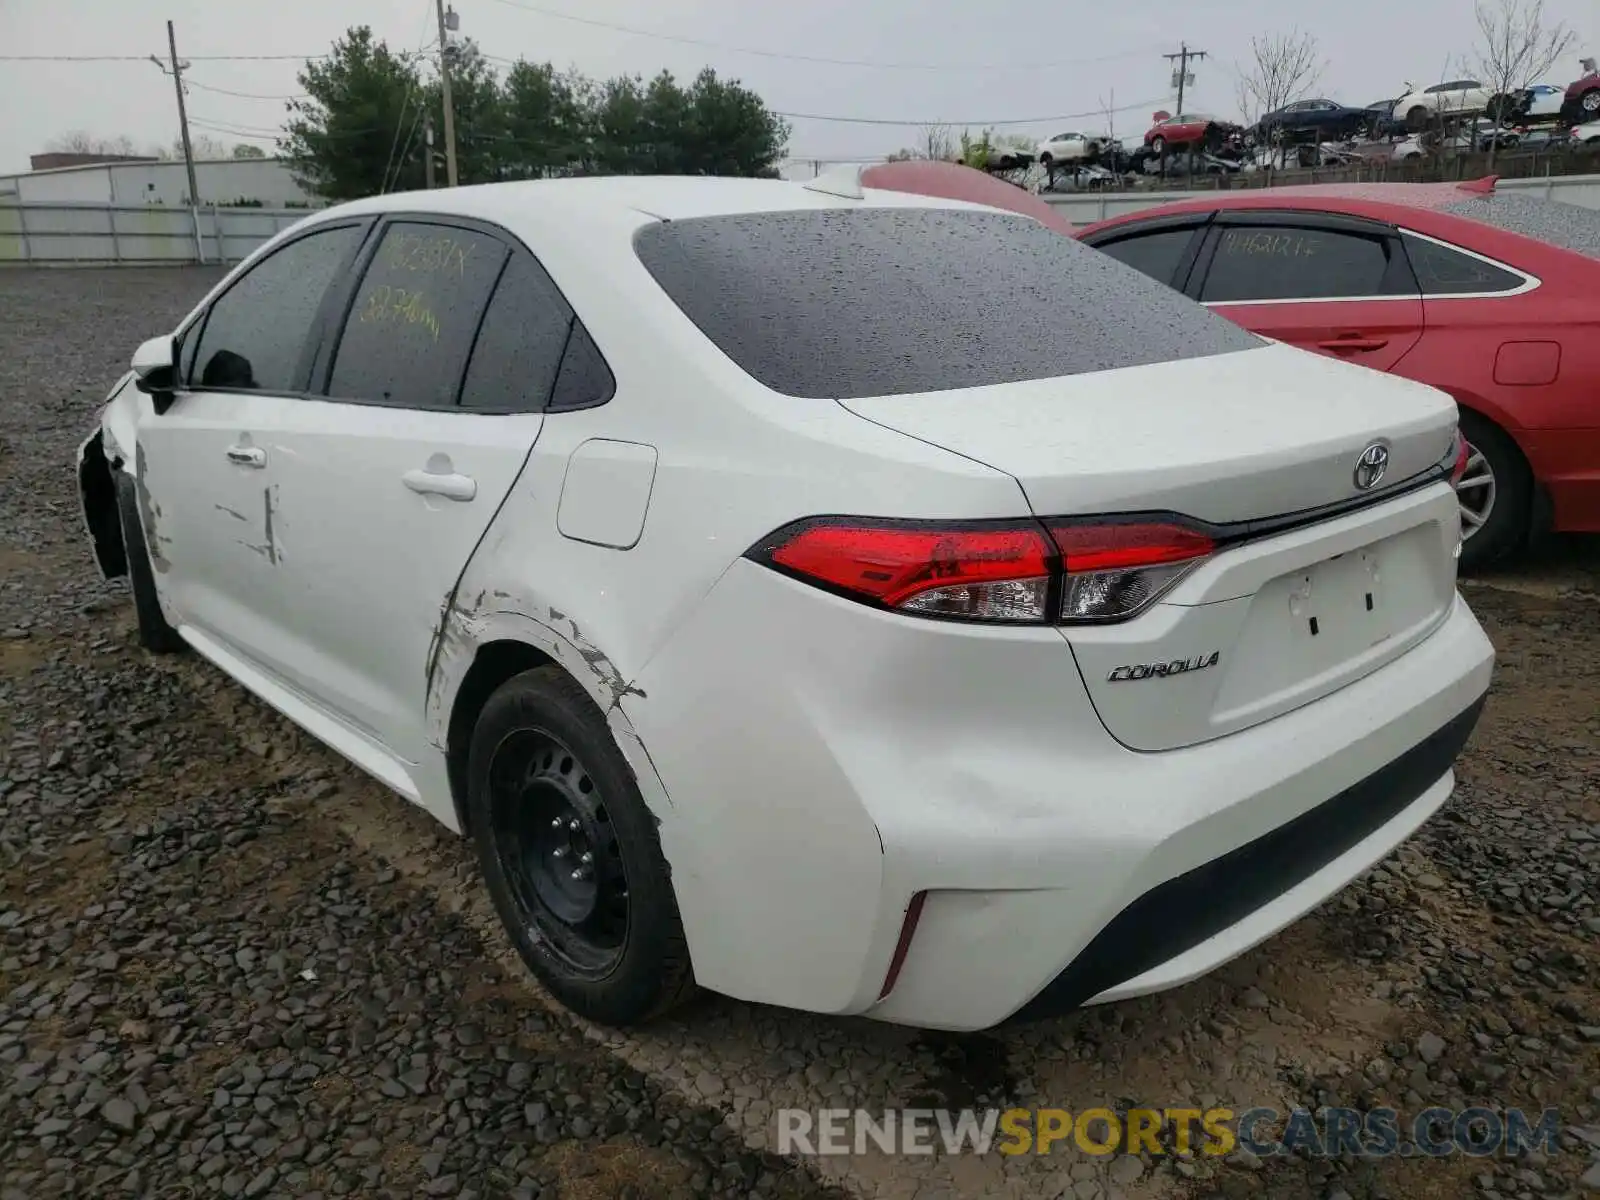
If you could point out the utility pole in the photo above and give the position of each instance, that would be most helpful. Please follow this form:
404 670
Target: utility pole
176 70
444 87
427 151
1183 56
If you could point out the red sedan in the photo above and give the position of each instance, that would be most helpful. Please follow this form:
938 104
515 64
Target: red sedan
1493 297
1186 130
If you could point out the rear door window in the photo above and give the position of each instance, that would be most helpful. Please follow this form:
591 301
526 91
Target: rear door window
1286 262
416 312
1156 254
868 301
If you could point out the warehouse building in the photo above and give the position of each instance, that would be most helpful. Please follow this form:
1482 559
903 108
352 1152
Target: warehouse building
228 181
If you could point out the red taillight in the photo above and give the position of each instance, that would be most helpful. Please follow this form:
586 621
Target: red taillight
1463 455
908 930
1018 572
1088 547
979 572
1116 570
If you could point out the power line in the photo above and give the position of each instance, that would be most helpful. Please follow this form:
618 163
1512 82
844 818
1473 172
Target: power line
206 87
92 58
814 58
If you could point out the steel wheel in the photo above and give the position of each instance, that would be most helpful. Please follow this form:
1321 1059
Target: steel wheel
1475 492
558 852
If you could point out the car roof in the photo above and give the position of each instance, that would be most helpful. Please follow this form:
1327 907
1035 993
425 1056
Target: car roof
603 199
1373 199
1521 227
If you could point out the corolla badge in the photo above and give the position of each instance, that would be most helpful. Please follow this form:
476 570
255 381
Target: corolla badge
1132 672
1370 467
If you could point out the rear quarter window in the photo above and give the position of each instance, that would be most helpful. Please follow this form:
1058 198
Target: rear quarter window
853 302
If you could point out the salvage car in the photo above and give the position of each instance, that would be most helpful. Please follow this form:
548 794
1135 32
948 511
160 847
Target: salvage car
1533 104
1322 119
786 605
1442 101
1070 148
1488 296
1189 131
1581 102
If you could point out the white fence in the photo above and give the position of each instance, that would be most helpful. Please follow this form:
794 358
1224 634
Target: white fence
97 234
88 234
1085 208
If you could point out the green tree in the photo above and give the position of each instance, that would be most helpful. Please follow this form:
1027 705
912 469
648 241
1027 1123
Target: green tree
357 132
667 136
621 127
730 131
547 121
245 150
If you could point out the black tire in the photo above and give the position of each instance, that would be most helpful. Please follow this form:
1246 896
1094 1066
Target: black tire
1158 145
155 635
1417 119
540 744
1504 531
1589 104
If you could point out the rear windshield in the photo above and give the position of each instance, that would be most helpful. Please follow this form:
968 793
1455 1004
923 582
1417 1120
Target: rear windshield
886 301
1552 221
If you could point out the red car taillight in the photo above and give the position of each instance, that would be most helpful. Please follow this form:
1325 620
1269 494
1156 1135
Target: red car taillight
1463 454
1116 570
1011 572
987 572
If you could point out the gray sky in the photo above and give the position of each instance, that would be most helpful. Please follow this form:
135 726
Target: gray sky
1069 59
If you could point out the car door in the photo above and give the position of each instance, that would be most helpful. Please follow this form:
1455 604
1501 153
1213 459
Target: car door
1336 285
433 395
206 474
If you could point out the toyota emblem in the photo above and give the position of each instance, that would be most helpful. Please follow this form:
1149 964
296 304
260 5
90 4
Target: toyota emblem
1370 467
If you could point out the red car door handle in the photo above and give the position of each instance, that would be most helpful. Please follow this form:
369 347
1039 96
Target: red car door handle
1354 342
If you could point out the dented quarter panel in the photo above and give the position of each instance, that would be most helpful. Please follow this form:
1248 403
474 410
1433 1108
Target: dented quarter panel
733 463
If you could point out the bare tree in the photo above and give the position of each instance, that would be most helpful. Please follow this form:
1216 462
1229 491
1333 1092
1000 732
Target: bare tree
79 142
1283 67
204 146
1514 48
1109 108
937 142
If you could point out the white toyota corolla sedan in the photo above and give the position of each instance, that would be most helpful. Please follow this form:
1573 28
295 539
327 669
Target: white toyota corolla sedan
835 598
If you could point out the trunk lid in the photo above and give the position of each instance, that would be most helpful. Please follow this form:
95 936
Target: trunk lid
1230 437
1270 622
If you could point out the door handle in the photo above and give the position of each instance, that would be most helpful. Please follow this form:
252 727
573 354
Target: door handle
450 486
1354 342
247 456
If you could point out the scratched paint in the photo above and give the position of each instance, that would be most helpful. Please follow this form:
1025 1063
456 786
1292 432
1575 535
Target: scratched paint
604 669
268 548
149 511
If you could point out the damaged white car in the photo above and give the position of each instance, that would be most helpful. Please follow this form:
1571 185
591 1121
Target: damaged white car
841 599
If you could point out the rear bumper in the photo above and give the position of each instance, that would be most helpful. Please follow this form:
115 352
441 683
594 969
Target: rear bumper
1184 927
827 763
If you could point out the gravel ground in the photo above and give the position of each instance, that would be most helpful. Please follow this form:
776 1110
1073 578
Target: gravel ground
230 964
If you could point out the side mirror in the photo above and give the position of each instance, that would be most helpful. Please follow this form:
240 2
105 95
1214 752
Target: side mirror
155 371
